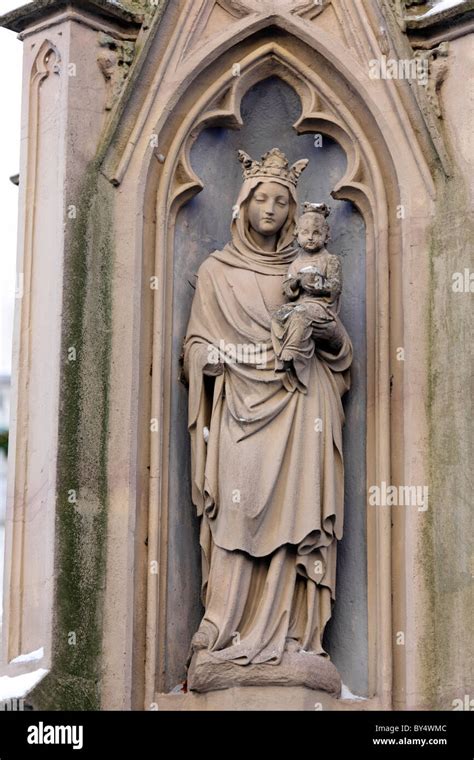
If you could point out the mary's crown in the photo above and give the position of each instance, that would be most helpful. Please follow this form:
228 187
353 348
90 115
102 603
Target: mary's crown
273 165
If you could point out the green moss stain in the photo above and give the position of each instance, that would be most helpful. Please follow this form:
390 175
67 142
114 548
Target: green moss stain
136 6
446 653
74 681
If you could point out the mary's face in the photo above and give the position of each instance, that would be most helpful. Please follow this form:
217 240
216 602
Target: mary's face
268 208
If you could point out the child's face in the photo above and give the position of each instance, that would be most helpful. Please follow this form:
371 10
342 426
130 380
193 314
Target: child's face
311 232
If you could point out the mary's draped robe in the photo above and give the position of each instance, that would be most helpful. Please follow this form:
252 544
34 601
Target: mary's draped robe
268 483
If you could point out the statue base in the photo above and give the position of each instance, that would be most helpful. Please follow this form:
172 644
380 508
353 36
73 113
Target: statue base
260 698
207 673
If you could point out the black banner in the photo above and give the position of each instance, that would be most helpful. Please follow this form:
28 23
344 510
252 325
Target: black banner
25 733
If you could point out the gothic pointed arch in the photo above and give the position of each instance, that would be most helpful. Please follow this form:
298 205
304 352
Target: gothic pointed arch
389 168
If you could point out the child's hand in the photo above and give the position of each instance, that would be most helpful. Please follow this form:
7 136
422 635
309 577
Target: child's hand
291 287
308 280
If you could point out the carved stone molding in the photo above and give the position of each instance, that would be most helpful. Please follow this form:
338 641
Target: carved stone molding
27 497
47 62
114 61
437 61
190 47
306 8
398 9
318 115
41 12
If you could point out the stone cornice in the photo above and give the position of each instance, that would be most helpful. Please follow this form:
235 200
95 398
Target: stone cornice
426 30
446 18
23 18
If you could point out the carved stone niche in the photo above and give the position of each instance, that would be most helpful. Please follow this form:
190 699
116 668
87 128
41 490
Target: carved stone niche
114 60
197 95
319 113
268 111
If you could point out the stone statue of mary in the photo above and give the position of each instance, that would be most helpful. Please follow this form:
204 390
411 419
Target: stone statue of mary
266 454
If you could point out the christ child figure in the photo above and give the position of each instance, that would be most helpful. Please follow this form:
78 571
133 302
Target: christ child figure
313 288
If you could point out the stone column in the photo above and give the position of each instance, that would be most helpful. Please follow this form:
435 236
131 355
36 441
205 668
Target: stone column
75 54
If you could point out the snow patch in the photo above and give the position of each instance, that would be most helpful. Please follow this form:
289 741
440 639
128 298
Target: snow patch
444 5
117 4
346 693
38 654
13 687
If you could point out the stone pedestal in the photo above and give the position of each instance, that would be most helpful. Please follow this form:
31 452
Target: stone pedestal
248 698
208 673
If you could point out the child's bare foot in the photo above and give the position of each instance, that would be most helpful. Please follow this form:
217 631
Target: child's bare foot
200 640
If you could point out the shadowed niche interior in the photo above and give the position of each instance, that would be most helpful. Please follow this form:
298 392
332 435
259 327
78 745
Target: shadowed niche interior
269 109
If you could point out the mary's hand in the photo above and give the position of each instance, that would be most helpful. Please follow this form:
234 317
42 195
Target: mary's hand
312 282
329 336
